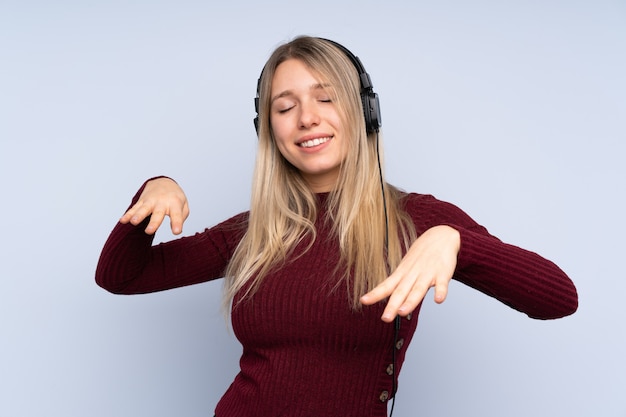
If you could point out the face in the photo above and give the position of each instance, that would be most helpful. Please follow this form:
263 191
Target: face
306 126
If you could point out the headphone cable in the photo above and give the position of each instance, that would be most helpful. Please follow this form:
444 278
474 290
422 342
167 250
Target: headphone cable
397 319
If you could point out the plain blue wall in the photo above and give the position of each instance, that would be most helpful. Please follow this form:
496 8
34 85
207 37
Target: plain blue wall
512 110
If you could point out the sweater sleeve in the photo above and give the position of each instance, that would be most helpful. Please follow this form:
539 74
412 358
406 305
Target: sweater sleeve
131 264
519 278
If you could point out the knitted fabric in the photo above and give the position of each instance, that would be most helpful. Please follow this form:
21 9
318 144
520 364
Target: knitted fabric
306 351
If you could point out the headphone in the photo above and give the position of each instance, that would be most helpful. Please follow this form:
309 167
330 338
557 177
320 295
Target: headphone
369 99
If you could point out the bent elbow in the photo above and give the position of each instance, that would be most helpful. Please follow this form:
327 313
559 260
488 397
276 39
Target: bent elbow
109 281
557 308
108 286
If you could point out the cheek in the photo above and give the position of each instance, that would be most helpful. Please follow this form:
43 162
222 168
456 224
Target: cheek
282 149
338 123
280 139
281 133
287 153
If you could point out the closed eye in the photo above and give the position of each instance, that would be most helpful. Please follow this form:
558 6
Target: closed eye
282 111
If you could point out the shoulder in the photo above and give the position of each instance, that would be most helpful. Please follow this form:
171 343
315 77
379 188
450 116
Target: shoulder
422 203
227 233
236 223
429 211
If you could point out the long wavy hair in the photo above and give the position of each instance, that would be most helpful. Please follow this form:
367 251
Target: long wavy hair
283 209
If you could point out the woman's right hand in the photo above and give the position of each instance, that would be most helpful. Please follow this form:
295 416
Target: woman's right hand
160 197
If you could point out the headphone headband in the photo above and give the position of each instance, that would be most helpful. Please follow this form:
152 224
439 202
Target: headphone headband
369 99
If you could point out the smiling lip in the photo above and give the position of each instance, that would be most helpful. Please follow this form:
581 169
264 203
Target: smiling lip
311 142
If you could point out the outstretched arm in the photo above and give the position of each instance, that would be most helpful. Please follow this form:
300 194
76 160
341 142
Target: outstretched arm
452 245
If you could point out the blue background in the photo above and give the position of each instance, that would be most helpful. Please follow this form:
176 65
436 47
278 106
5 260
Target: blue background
513 110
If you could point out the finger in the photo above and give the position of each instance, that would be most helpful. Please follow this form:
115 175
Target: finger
135 215
383 290
129 213
441 291
141 212
406 299
380 292
413 300
126 217
156 220
177 218
398 298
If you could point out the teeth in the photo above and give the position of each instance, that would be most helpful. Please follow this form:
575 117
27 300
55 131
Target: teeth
314 142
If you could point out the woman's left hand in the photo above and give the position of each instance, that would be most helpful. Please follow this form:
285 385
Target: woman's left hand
429 262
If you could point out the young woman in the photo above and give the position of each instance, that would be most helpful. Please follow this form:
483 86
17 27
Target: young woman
326 272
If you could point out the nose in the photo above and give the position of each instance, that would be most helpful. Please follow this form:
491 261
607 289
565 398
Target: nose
309 115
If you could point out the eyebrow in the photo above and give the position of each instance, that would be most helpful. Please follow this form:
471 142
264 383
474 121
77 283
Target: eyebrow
287 93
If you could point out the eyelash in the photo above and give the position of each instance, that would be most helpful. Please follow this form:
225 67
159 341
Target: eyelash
326 100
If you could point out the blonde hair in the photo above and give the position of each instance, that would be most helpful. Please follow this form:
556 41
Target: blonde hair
283 208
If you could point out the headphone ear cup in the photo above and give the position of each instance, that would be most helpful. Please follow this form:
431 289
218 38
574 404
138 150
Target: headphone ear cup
256 107
371 110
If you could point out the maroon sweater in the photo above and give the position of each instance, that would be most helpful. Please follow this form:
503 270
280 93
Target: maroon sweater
306 352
